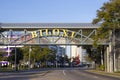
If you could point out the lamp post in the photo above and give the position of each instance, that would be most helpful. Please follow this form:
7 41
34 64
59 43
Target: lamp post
29 55
15 59
57 56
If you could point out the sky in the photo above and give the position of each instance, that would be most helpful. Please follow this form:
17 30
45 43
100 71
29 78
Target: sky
49 11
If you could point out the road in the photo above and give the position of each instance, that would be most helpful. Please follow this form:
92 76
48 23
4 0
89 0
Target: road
60 74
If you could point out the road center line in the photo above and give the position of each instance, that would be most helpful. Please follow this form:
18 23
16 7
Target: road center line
64 72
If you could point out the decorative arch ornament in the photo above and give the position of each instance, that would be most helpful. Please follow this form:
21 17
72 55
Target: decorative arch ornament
55 36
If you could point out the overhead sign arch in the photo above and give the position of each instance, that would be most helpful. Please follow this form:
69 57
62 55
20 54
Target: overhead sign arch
55 36
48 33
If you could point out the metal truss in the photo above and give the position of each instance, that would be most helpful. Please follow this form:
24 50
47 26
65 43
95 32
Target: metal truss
26 38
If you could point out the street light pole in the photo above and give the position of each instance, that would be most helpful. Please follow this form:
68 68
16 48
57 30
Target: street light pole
29 55
56 56
15 59
70 55
114 51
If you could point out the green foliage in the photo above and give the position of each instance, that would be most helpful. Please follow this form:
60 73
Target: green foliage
19 55
51 56
102 67
94 54
38 54
25 50
88 58
2 57
108 15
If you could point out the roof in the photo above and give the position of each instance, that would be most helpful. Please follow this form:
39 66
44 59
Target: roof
48 25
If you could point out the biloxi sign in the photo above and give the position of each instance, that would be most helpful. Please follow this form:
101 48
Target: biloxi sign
53 32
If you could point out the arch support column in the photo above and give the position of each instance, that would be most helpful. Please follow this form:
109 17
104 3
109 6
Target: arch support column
109 60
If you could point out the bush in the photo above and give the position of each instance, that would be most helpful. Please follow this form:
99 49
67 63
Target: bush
102 67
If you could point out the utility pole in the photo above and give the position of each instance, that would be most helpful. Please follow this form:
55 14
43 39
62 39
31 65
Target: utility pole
101 57
114 51
15 59
70 55
56 55
29 55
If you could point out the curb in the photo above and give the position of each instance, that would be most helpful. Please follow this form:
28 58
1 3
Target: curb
24 72
117 75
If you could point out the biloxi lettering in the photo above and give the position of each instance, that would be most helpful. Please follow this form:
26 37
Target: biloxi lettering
53 32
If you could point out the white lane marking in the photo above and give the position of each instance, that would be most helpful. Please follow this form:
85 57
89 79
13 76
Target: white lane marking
95 77
64 72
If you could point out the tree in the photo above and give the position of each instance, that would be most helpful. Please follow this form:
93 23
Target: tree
2 56
19 55
25 50
38 54
46 55
94 54
51 56
108 16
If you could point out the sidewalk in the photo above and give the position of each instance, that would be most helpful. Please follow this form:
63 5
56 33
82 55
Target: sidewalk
24 72
104 73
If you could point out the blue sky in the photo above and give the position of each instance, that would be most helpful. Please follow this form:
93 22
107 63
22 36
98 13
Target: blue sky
52 11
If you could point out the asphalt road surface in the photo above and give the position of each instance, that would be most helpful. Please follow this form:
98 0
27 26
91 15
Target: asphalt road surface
61 74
